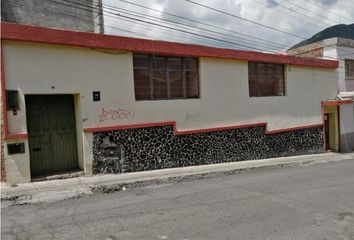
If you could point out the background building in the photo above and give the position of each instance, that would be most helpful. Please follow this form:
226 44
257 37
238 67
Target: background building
337 43
74 15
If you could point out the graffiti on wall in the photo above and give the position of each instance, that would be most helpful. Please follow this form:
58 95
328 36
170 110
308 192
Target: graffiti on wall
194 118
115 114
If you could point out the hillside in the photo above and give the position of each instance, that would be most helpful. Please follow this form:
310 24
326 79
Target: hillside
341 30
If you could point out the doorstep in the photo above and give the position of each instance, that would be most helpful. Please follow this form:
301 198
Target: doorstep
64 175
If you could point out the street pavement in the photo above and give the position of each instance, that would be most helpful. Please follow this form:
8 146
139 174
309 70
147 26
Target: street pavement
313 201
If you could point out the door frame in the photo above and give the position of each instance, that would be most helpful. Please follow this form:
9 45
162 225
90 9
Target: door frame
79 131
331 127
326 131
78 125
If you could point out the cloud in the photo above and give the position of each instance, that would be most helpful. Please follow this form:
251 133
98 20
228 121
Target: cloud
328 2
272 3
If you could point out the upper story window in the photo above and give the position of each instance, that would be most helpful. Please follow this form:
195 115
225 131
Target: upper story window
349 68
266 79
161 77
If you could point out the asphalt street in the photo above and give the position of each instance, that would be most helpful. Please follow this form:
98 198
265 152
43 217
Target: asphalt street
304 202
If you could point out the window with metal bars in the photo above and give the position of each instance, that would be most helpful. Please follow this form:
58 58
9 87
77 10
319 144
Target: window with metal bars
266 79
349 69
161 77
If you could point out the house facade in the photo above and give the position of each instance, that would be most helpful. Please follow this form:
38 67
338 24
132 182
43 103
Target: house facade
110 104
341 49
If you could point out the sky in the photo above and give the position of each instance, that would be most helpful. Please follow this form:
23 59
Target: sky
270 25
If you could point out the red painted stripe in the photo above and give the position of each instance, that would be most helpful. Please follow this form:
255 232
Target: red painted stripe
3 97
218 129
24 135
336 102
122 127
3 92
15 136
195 131
3 118
19 32
293 128
323 130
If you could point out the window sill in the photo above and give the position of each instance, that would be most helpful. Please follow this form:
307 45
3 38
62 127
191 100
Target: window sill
349 79
267 96
164 99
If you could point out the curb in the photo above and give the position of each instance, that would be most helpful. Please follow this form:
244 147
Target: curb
61 189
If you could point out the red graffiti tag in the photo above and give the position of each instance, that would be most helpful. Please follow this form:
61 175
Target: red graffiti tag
115 114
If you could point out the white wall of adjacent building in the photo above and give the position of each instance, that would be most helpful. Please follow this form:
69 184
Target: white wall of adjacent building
347 127
334 51
342 49
346 53
224 94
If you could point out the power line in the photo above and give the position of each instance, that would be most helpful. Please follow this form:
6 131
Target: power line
219 39
345 4
300 7
81 18
133 20
299 13
247 20
192 33
196 21
288 14
88 7
281 46
229 14
199 22
277 46
173 28
319 6
166 31
142 6
136 14
91 7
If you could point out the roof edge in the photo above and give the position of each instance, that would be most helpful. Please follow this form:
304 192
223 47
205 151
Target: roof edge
35 34
334 41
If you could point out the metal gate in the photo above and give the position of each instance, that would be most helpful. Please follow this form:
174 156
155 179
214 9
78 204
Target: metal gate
51 130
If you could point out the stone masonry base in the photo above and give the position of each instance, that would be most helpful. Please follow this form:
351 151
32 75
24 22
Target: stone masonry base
152 148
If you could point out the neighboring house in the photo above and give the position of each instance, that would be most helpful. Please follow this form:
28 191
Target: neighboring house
341 49
79 15
100 103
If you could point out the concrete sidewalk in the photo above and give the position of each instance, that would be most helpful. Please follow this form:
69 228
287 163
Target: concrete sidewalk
56 190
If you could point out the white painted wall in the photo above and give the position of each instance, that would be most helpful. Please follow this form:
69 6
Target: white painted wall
347 115
347 127
224 98
17 166
341 53
347 53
